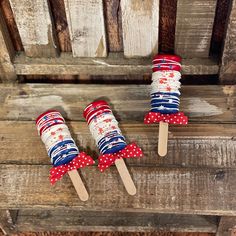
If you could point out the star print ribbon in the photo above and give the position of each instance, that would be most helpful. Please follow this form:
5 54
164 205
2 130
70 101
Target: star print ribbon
156 117
130 151
82 160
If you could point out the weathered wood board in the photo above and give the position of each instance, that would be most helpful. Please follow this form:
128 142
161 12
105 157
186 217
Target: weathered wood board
228 68
72 220
198 146
7 71
86 26
36 29
227 226
206 104
140 22
194 23
164 190
115 64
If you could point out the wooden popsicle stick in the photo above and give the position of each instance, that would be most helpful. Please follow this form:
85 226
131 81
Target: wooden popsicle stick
125 176
79 185
163 138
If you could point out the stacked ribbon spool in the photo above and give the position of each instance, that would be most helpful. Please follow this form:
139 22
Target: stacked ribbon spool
62 150
165 97
104 127
110 141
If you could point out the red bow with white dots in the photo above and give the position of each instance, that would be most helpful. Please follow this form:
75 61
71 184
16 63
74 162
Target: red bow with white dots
130 151
82 160
156 117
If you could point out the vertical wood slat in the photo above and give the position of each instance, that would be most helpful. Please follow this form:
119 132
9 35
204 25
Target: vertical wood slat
227 226
86 26
140 21
228 66
194 24
35 27
7 72
113 25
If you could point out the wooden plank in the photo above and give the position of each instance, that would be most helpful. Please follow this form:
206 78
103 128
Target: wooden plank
7 221
74 220
11 25
228 67
205 104
113 25
7 71
167 26
227 226
140 22
115 64
159 190
199 146
87 34
194 26
35 27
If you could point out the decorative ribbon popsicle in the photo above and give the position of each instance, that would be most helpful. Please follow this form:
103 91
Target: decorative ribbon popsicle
165 97
110 141
62 150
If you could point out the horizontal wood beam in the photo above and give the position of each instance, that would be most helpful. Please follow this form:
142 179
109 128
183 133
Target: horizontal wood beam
205 146
159 190
74 220
114 64
203 104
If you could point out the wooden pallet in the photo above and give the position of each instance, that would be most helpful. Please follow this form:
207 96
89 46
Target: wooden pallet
192 189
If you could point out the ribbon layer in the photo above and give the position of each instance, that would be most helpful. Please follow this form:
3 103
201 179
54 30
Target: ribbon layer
82 160
130 151
156 117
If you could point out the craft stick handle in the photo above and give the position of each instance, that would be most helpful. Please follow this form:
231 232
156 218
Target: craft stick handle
163 138
125 176
79 185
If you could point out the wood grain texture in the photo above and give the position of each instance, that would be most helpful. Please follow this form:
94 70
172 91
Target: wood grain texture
57 8
206 104
115 64
7 71
140 22
194 24
36 29
167 26
160 190
205 146
113 25
228 67
11 25
7 221
227 226
87 34
72 220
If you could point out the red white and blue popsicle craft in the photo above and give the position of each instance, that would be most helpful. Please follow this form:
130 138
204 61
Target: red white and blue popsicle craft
165 97
110 141
62 150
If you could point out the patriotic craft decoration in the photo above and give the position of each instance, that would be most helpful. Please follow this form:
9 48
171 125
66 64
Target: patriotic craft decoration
165 97
110 141
62 150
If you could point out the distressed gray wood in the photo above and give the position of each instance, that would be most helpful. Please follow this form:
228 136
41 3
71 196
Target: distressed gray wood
74 220
194 24
115 64
228 67
7 52
86 26
162 190
208 104
140 22
199 146
35 27
227 226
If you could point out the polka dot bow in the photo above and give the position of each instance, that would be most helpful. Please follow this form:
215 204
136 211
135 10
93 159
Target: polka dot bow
130 151
156 117
82 160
